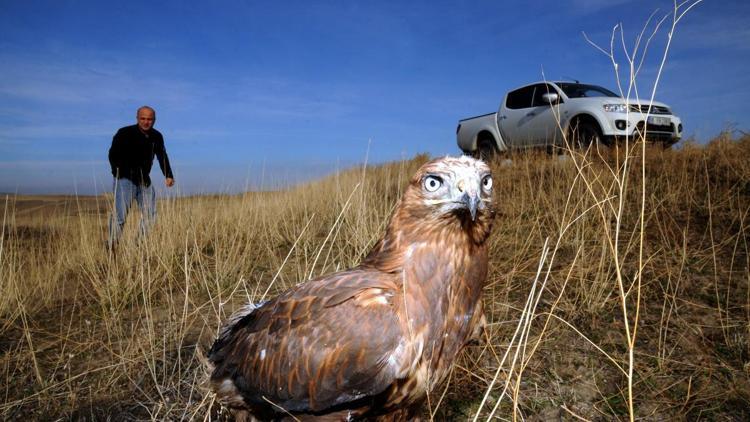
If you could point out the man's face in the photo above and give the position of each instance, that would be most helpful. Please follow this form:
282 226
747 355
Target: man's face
146 119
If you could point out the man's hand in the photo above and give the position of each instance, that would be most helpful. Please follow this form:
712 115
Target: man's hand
169 182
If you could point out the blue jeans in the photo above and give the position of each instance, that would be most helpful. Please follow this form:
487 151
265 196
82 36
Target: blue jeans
125 191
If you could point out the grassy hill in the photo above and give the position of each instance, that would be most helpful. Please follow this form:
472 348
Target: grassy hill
616 283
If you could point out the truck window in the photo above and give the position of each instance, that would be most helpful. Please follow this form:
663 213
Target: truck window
541 89
582 90
520 98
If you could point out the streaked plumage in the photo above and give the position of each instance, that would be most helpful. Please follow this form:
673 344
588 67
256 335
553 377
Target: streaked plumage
371 341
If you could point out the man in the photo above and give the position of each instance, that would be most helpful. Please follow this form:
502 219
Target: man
131 157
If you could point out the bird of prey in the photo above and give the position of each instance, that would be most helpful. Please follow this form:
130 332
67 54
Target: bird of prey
369 342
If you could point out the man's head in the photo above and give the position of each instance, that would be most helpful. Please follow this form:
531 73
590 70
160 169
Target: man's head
146 116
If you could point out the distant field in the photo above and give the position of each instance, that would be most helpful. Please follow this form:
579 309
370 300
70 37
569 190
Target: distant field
48 205
642 296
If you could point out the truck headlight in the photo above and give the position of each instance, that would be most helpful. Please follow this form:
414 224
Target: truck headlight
616 108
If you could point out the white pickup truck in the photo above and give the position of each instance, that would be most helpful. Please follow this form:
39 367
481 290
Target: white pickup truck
539 114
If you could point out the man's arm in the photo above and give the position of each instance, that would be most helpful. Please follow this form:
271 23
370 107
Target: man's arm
163 159
116 155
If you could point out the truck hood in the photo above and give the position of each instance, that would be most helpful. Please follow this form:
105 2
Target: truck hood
643 103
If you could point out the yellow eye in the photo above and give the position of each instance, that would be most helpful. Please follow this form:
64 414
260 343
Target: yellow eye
432 183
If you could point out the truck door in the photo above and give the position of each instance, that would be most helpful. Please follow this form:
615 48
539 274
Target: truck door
543 127
513 118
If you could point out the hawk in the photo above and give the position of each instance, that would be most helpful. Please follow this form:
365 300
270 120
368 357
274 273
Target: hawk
370 342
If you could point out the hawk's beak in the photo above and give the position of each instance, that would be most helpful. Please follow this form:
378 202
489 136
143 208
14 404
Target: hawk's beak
471 202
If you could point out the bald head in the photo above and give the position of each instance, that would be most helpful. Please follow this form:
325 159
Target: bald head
146 117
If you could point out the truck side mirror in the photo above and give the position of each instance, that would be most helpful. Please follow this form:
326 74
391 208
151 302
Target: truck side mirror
550 98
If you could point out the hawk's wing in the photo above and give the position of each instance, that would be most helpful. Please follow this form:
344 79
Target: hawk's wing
326 342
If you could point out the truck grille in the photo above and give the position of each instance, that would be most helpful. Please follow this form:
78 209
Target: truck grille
643 108
655 130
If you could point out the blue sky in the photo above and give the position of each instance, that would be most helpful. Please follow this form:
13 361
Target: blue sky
253 94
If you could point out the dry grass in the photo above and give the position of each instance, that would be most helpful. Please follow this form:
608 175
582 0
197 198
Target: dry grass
89 335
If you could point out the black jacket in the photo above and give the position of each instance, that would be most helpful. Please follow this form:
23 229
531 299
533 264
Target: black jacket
132 154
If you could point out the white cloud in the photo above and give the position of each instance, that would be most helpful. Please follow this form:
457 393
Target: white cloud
56 131
52 164
46 98
38 78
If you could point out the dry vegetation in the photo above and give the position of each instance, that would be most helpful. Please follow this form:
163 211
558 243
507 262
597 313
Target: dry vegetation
88 335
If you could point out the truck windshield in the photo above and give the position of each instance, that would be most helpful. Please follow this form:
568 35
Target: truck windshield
573 90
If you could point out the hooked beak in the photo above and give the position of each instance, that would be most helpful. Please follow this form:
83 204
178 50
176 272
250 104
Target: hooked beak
471 202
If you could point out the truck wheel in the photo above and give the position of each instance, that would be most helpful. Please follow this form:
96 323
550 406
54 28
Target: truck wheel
668 143
485 151
584 134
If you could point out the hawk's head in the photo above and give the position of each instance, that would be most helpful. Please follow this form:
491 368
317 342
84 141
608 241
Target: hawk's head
454 185
448 201
450 187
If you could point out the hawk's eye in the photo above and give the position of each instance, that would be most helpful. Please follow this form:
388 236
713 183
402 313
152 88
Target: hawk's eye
432 183
487 182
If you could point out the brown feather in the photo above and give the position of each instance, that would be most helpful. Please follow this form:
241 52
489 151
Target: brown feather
374 340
